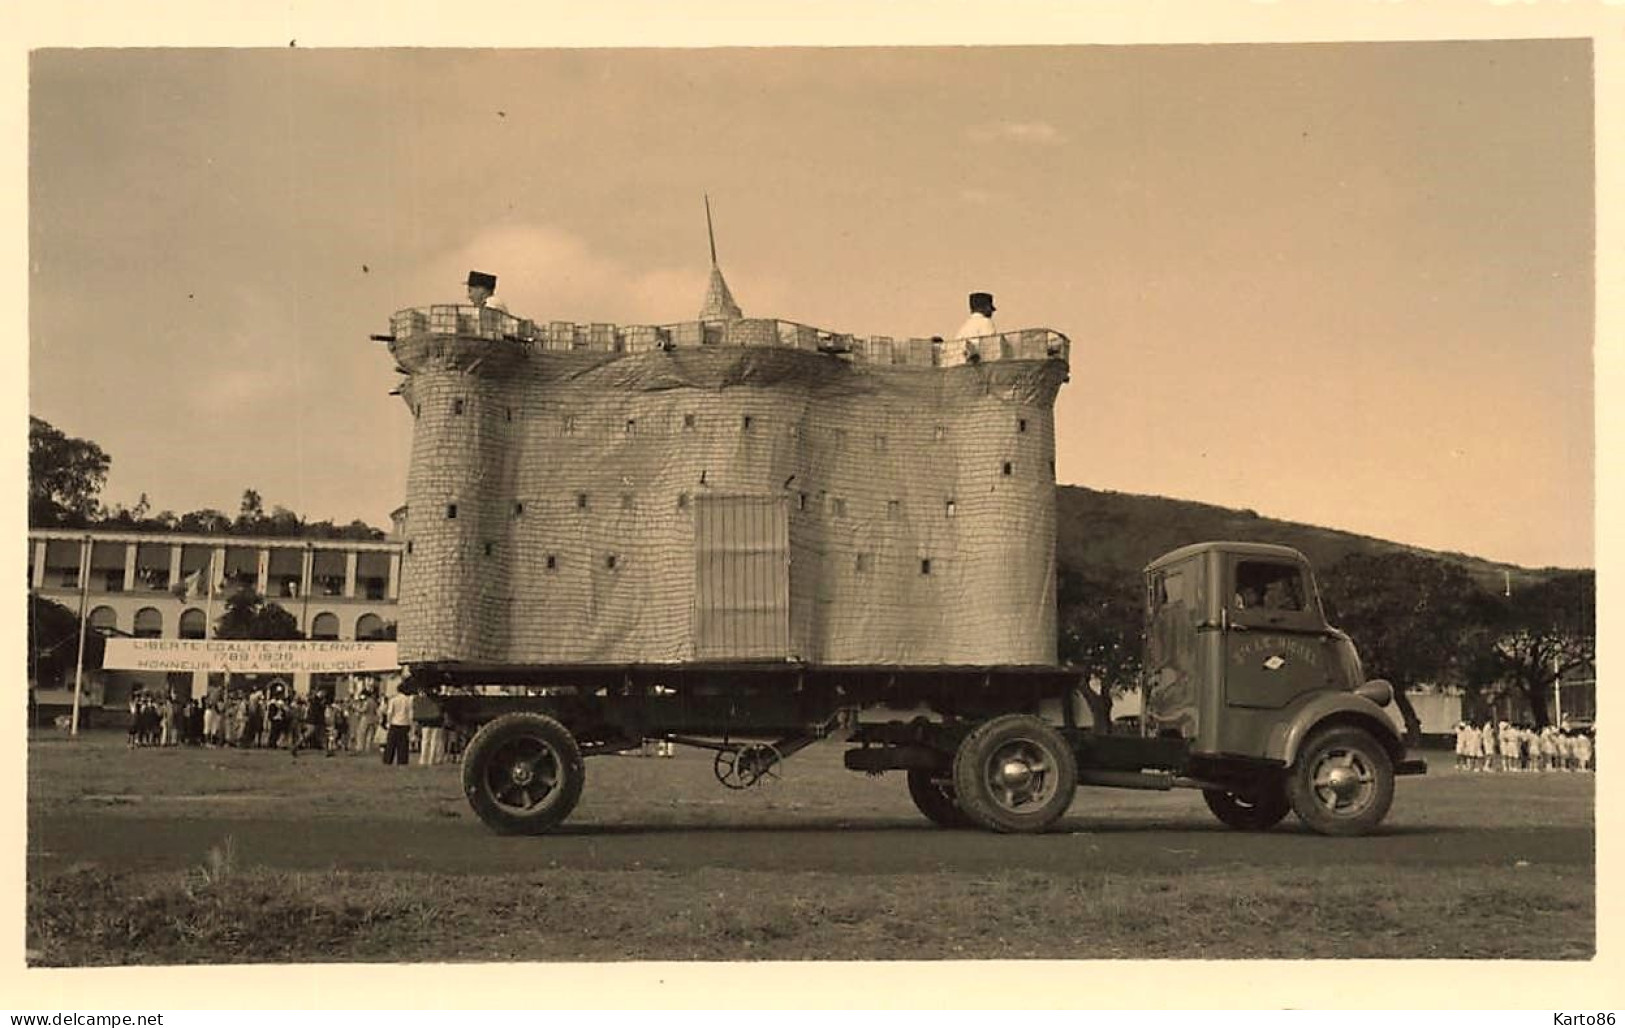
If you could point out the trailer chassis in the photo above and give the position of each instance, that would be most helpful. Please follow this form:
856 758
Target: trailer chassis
980 756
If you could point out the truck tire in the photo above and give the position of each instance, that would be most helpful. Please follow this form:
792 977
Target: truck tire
523 774
936 801
1014 774
1252 812
1342 782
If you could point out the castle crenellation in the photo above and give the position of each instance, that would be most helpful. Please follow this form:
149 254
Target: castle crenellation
452 320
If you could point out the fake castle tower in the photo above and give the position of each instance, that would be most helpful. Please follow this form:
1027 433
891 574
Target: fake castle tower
728 488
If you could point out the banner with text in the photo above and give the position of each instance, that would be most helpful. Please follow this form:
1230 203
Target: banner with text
249 656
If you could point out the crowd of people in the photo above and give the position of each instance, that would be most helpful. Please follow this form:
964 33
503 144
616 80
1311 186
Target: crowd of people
1504 746
277 718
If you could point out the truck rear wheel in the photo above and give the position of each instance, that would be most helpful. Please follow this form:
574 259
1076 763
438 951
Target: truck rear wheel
523 774
1342 782
936 800
1255 812
1014 774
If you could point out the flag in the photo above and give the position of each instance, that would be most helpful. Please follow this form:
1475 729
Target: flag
199 583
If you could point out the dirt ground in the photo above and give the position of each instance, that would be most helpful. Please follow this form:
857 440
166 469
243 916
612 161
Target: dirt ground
822 864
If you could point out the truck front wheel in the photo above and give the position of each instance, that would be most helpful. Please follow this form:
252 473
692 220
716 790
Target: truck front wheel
1342 782
935 798
1014 774
1254 812
523 774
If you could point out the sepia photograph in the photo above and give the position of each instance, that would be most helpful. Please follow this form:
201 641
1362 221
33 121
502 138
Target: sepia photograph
1045 500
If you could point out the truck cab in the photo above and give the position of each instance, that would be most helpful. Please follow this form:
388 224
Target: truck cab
1241 663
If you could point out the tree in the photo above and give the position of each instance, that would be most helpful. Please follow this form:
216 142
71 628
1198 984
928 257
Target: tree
53 644
1101 624
251 513
1541 633
284 522
1409 616
65 476
247 615
208 521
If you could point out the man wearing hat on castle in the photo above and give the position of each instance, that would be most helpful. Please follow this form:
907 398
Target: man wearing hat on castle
482 289
980 323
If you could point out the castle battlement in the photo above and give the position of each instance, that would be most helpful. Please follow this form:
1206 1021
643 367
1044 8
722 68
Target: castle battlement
461 322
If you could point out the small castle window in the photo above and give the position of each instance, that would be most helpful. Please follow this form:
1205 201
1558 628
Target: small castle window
939 433
612 561
862 564
417 410
457 406
552 562
569 424
581 501
950 509
1009 468
451 512
518 508
688 422
631 426
840 506
490 549
801 501
682 501
408 546
925 565
746 422
1021 424
626 501
508 413
894 509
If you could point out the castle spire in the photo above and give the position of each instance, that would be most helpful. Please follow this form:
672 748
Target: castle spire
719 302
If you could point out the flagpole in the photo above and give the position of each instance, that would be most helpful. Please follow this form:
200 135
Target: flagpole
208 606
84 617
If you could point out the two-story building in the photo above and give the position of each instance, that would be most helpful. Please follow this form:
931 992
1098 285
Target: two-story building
157 585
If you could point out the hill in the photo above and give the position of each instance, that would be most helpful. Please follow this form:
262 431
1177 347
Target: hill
1122 532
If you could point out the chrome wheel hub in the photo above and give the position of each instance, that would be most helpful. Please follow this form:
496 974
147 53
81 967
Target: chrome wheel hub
1020 775
1344 781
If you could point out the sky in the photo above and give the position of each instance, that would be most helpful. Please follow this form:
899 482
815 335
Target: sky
1349 284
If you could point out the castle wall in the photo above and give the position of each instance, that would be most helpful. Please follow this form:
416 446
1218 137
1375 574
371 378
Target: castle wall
919 501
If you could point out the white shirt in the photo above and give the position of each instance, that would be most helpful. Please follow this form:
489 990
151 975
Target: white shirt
978 324
400 710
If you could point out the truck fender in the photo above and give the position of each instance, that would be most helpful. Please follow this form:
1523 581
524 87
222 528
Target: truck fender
1299 720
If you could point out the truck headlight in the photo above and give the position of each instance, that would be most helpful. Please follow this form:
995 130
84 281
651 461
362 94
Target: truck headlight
1378 691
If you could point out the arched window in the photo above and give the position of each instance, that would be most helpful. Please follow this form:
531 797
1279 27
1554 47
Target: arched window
193 624
369 626
149 624
104 619
325 626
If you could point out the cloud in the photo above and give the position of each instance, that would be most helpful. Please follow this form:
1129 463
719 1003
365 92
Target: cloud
547 274
1033 133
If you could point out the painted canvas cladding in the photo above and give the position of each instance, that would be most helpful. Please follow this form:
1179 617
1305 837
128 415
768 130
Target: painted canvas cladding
585 507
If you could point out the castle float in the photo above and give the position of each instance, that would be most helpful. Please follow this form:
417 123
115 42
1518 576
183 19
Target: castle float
725 489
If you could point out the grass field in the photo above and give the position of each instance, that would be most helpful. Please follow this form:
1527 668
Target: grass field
1343 900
